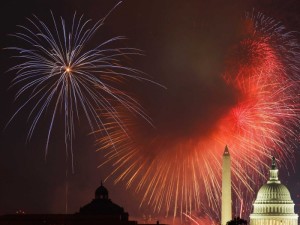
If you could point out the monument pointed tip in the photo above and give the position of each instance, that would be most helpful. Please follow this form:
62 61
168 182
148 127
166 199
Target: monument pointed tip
226 151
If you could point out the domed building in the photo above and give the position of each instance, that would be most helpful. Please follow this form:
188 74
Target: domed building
100 211
273 205
101 205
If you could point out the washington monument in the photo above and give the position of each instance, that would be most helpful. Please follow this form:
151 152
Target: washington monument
226 214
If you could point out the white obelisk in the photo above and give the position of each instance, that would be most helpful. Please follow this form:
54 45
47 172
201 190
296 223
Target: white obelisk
226 214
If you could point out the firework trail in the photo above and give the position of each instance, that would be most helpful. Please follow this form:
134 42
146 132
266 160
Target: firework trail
181 175
58 71
196 220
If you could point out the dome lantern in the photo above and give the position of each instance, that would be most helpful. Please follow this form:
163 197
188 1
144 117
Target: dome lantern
273 173
101 192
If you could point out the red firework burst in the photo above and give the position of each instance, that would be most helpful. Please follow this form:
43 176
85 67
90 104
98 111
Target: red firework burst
182 175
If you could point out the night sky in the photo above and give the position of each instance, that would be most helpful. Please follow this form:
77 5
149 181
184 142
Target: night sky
185 45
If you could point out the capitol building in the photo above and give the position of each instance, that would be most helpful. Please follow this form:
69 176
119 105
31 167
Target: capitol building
273 205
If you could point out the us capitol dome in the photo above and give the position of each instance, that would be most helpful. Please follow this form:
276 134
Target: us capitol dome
273 205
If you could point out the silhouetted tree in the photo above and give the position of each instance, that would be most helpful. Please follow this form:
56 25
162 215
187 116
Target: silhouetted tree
236 221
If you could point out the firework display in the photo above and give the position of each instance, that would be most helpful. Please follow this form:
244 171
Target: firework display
179 176
58 70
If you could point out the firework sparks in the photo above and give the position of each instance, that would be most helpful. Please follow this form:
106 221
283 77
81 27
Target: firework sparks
178 175
58 70
195 220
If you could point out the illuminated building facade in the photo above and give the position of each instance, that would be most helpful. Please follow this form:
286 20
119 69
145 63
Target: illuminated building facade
273 205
